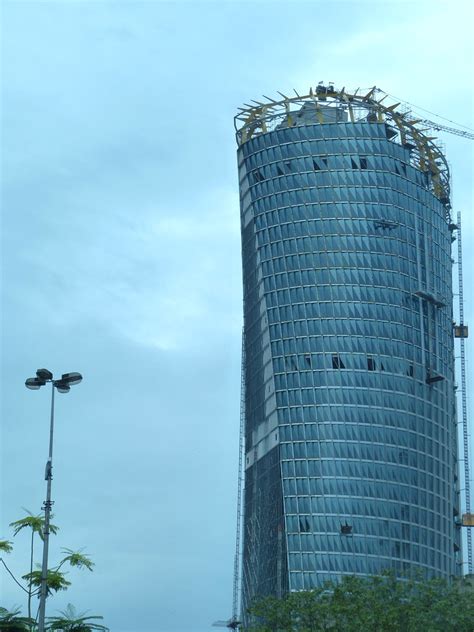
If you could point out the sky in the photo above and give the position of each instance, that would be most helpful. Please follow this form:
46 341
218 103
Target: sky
121 260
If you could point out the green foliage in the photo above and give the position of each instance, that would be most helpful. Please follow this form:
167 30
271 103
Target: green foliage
35 523
11 622
6 546
77 559
376 604
72 621
55 580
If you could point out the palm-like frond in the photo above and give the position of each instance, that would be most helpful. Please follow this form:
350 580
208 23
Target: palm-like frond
6 546
55 580
73 621
9 620
34 522
77 559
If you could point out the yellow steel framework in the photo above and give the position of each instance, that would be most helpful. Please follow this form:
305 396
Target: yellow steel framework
405 129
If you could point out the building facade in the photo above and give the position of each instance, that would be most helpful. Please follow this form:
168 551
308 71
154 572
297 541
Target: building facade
350 419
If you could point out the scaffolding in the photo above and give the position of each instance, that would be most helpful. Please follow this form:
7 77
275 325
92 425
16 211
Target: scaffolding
238 539
461 333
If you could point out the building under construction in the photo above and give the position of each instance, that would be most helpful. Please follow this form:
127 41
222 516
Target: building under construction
349 421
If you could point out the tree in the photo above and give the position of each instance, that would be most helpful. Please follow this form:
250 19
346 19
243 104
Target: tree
72 621
11 622
375 604
56 577
36 524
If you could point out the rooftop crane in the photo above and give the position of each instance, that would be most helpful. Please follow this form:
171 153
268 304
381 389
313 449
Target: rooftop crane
449 130
438 127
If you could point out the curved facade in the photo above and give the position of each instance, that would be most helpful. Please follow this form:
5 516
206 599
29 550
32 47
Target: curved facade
349 375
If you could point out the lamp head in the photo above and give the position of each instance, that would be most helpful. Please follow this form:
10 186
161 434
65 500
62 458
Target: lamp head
62 386
44 374
34 383
71 378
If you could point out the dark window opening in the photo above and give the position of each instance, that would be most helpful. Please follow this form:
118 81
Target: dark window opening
382 368
354 165
308 360
280 172
346 529
304 525
337 363
363 162
410 371
316 166
371 364
258 176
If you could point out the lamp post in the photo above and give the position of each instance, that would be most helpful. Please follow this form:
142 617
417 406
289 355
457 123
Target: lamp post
63 385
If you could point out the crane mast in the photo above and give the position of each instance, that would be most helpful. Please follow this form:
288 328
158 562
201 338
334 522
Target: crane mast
464 418
238 540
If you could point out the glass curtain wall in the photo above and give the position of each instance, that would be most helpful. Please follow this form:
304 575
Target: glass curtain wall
350 409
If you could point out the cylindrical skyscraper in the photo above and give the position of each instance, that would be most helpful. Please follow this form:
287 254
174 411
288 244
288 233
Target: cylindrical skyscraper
350 427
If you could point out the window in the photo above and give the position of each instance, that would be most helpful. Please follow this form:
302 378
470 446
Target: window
371 364
258 176
337 363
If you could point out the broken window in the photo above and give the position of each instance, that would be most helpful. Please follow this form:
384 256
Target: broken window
337 363
371 364
257 174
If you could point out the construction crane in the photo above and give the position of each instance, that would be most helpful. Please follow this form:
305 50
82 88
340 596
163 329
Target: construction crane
233 623
450 130
438 127
461 332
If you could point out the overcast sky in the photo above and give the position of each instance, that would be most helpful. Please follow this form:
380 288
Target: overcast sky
121 260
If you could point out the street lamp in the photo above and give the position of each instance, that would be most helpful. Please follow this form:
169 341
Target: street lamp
63 385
